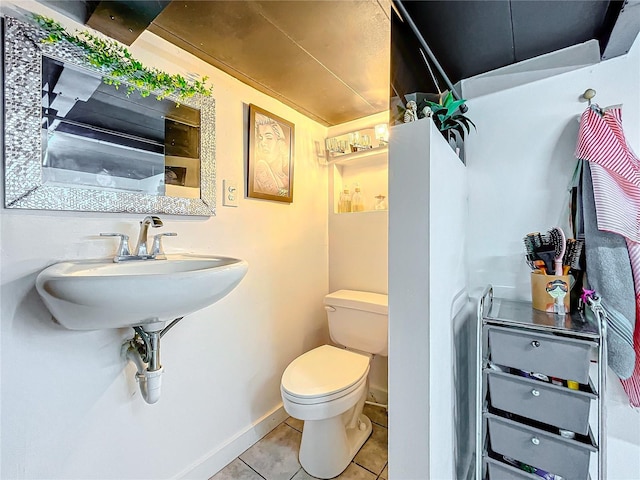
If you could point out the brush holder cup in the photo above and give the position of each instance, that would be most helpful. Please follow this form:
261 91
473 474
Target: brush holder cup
550 293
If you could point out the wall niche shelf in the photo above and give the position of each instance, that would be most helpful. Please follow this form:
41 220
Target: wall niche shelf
357 143
365 168
362 155
364 212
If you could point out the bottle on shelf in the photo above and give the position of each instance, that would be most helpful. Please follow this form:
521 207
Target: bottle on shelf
344 205
354 141
357 202
380 203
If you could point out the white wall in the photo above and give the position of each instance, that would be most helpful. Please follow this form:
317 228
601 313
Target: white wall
427 273
447 295
70 407
358 241
520 162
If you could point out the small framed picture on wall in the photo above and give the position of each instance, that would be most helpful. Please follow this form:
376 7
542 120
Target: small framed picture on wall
175 175
270 163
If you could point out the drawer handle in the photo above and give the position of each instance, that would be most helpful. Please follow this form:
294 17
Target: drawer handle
535 393
535 344
535 441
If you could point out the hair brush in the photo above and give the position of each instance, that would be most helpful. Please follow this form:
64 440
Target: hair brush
573 253
558 241
531 241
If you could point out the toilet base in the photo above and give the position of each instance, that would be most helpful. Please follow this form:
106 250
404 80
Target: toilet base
328 447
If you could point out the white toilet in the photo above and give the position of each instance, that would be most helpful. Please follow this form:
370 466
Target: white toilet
327 386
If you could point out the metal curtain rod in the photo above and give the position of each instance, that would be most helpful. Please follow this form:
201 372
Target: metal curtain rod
404 15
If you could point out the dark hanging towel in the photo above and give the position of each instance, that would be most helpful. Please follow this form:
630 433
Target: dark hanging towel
611 210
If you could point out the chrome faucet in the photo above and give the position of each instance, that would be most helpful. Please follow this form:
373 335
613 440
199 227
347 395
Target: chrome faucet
141 249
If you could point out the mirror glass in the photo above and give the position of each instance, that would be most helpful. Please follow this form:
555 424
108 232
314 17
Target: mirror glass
74 142
97 136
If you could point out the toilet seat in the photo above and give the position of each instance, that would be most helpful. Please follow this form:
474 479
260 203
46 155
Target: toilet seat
324 374
323 398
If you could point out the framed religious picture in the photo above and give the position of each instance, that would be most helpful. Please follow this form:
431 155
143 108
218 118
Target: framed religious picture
270 163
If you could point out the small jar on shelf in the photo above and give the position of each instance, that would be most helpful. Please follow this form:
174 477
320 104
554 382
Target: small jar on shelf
380 204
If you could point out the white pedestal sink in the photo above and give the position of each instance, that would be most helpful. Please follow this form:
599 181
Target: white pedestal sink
97 294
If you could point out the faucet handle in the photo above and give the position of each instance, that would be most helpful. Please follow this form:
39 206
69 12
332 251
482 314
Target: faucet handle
157 250
123 249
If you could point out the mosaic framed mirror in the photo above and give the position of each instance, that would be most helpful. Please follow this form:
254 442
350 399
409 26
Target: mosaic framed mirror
74 143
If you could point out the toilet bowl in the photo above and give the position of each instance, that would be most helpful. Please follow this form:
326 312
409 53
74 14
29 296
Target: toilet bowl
326 388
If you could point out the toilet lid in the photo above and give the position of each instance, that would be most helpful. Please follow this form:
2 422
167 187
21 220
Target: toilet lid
323 371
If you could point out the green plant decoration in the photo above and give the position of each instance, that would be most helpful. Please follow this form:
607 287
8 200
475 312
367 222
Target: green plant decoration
448 118
120 66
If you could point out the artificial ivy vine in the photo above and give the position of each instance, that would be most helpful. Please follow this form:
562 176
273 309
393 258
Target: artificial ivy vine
120 66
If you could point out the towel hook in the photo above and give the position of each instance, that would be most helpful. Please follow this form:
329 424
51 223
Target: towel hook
588 94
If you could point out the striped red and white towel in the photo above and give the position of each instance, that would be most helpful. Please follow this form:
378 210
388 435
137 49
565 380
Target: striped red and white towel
615 170
632 384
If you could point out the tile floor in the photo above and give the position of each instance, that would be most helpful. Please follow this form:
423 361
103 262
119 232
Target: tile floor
275 457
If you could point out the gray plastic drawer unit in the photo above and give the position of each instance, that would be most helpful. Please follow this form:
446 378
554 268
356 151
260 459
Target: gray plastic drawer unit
521 419
552 453
547 403
501 471
533 352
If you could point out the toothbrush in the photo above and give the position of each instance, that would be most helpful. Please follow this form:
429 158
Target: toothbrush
558 240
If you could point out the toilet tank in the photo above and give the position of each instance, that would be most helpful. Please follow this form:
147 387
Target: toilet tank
359 320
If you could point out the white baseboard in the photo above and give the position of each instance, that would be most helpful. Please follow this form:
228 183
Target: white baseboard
221 456
378 395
